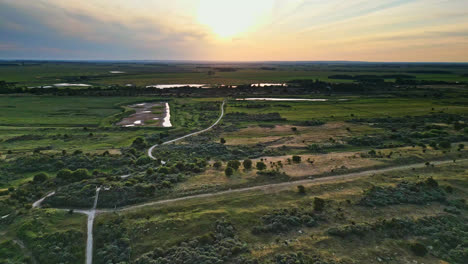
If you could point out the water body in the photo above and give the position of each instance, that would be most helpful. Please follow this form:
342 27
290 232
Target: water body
167 118
169 86
283 99
268 84
71 85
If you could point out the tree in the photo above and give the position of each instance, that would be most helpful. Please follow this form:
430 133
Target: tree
222 141
296 159
235 164
260 165
301 189
247 164
217 165
40 177
319 204
294 129
149 171
228 171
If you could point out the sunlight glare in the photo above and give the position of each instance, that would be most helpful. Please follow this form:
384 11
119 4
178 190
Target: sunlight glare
227 18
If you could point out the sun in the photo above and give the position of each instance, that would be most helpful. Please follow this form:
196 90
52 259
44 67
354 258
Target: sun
227 18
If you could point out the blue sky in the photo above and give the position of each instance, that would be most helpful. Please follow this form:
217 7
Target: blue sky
384 30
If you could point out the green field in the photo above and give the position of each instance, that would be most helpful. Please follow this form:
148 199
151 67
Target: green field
141 74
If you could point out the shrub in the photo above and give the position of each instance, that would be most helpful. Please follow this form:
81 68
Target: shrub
139 143
247 164
301 189
235 164
80 174
444 144
64 174
222 141
217 165
261 166
283 220
143 160
41 177
404 193
418 249
319 204
296 159
229 171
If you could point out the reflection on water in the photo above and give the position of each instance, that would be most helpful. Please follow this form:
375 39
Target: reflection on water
168 86
282 99
167 118
268 84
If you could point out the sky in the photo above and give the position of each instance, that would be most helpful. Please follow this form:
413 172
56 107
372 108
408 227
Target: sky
235 30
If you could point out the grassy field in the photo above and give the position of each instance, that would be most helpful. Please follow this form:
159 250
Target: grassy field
354 108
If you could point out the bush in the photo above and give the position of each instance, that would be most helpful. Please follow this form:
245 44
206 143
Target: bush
418 249
301 189
261 166
283 220
404 193
139 143
41 177
235 164
296 159
444 144
229 171
217 165
143 160
81 174
319 204
223 246
247 164
64 174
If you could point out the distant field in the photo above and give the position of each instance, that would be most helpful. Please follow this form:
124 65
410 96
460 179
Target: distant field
354 108
60 111
141 74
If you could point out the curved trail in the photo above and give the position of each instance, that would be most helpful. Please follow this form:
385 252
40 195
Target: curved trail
283 185
150 150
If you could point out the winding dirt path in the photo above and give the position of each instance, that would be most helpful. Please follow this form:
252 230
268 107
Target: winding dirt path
150 150
284 184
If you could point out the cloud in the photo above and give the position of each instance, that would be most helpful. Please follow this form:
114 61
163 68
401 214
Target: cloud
293 30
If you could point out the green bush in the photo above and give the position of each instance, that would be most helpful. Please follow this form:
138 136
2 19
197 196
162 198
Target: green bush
261 166
296 159
235 164
319 204
418 249
247 164
40 177
229 171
